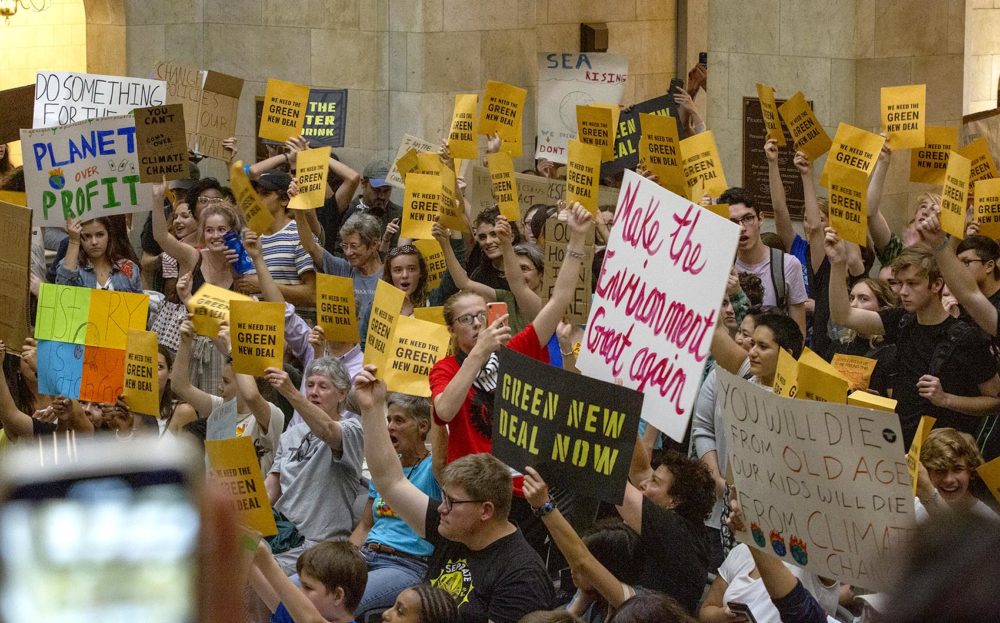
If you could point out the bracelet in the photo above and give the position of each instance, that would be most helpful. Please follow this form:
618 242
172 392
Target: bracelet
287 161
545 509
940 246
575 254
575 351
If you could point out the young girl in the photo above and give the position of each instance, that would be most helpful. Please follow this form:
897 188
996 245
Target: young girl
104 263
184 227
405 269
422 603
174 414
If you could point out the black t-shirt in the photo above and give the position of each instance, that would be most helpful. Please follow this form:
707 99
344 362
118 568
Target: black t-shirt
819 287
488 275
672 555
500 583
970 364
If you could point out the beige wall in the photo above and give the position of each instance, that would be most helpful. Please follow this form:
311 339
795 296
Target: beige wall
839 53
982 55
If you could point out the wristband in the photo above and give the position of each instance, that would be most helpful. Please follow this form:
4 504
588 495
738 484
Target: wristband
545 509
575 254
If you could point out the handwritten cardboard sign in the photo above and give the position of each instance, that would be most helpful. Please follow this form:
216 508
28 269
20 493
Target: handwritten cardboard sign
161 142
65 98
233 464
848 202
629 130
807 133
955 195
326 118
567 80
502 112
15 263
904 118
929 163
386 306
142 381
660 152
463 140
416 346
220 101
987 207
210 307
577 432
504 184
257 336
17 104
285 108
703 172
583 174
657 300
311 169
336 310
556 242
84 170
184 88
822 486
769 113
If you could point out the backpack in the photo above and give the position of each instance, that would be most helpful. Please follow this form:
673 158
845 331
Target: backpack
945 348
778 278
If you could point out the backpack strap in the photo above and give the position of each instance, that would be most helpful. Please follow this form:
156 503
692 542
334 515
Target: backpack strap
778 278
946 346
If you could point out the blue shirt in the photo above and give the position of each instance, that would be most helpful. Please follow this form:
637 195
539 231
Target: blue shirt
124 277
281 615
389 529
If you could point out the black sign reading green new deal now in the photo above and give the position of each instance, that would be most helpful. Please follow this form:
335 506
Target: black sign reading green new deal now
576 431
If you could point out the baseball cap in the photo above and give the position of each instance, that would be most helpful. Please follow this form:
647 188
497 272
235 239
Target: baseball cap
273 180
375 172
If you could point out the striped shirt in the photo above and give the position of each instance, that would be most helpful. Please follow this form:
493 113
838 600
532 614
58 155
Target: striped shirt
284 255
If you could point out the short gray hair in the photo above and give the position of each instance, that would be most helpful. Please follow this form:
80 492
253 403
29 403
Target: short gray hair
332 369
415 407
366 226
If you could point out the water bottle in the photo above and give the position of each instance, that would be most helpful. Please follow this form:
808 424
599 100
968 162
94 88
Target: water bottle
243 262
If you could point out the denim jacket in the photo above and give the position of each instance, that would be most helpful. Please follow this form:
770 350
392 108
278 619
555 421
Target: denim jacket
124 276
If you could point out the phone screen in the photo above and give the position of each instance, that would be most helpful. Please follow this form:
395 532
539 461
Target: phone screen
104 548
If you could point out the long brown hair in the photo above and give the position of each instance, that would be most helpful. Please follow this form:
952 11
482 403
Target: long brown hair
118 245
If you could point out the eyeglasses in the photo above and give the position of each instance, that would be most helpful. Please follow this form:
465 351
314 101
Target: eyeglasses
204 199
468 319
450 502
354 246
967 261
746 221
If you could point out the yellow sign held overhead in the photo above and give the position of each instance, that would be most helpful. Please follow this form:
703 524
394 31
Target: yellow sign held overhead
257 336
596 125
142 380
903 115
703 171
501 112
660 152
210 306
769 112
234 464
421 205
848 203
987 207
929 163
386 307
955 195
284 112
807 132
462 139
255 213
504 185
311 168
583 175
416 347
336 311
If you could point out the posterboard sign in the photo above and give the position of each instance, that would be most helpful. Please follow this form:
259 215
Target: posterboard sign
702 166
257 336
983 165
583 174
416 346
657 300
85 170
15 263
502 112
848 202
924 427
504 184
326 118
433 314
210 307
311 168
65 98
161 143
628 133
386 307
285 107
567 80
807 133
903 118
142 380
463 140
990 474
234 465
430 249
660 152
220 101
409 142
336 311
576 432
955 195
929 163
556 242
855 368
184 88
596 125
531 190
17 106
852 147
769 113
987 206
421 205
822 486
258 218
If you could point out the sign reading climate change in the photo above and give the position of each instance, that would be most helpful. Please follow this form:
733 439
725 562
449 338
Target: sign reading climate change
657 300
567 80
574 431
84 170
823 486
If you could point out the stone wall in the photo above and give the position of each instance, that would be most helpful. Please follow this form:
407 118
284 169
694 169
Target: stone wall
982 55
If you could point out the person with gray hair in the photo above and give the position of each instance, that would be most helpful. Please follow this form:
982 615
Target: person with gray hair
316 475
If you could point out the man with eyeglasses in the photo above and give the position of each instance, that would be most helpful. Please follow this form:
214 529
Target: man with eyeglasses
480 558
753 256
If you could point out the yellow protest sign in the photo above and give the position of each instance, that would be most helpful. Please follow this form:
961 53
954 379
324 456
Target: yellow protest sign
112 314
955 195
451 214
903 118
852 147
14 197
406 163
257 217
311 168
501 168
786 375
595 125
416 346
433 256
848 203
990 473
386 305
233 463
421 205
820 381
871 401
913 455
807 133
769 112
210 306
428 163
284 112
431 314
142 381
722 209
856 369
336 311
660 152
257 336
583 174
928 163
983 166
702 165
502 110
987 206
462 141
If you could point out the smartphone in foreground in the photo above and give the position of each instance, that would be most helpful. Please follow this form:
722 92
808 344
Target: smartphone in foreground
110 536
703 58
494 311
743 610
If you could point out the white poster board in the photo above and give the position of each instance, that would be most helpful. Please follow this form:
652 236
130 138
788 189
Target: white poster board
62 98
409 142
567 80
657 300
822 486
85 170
